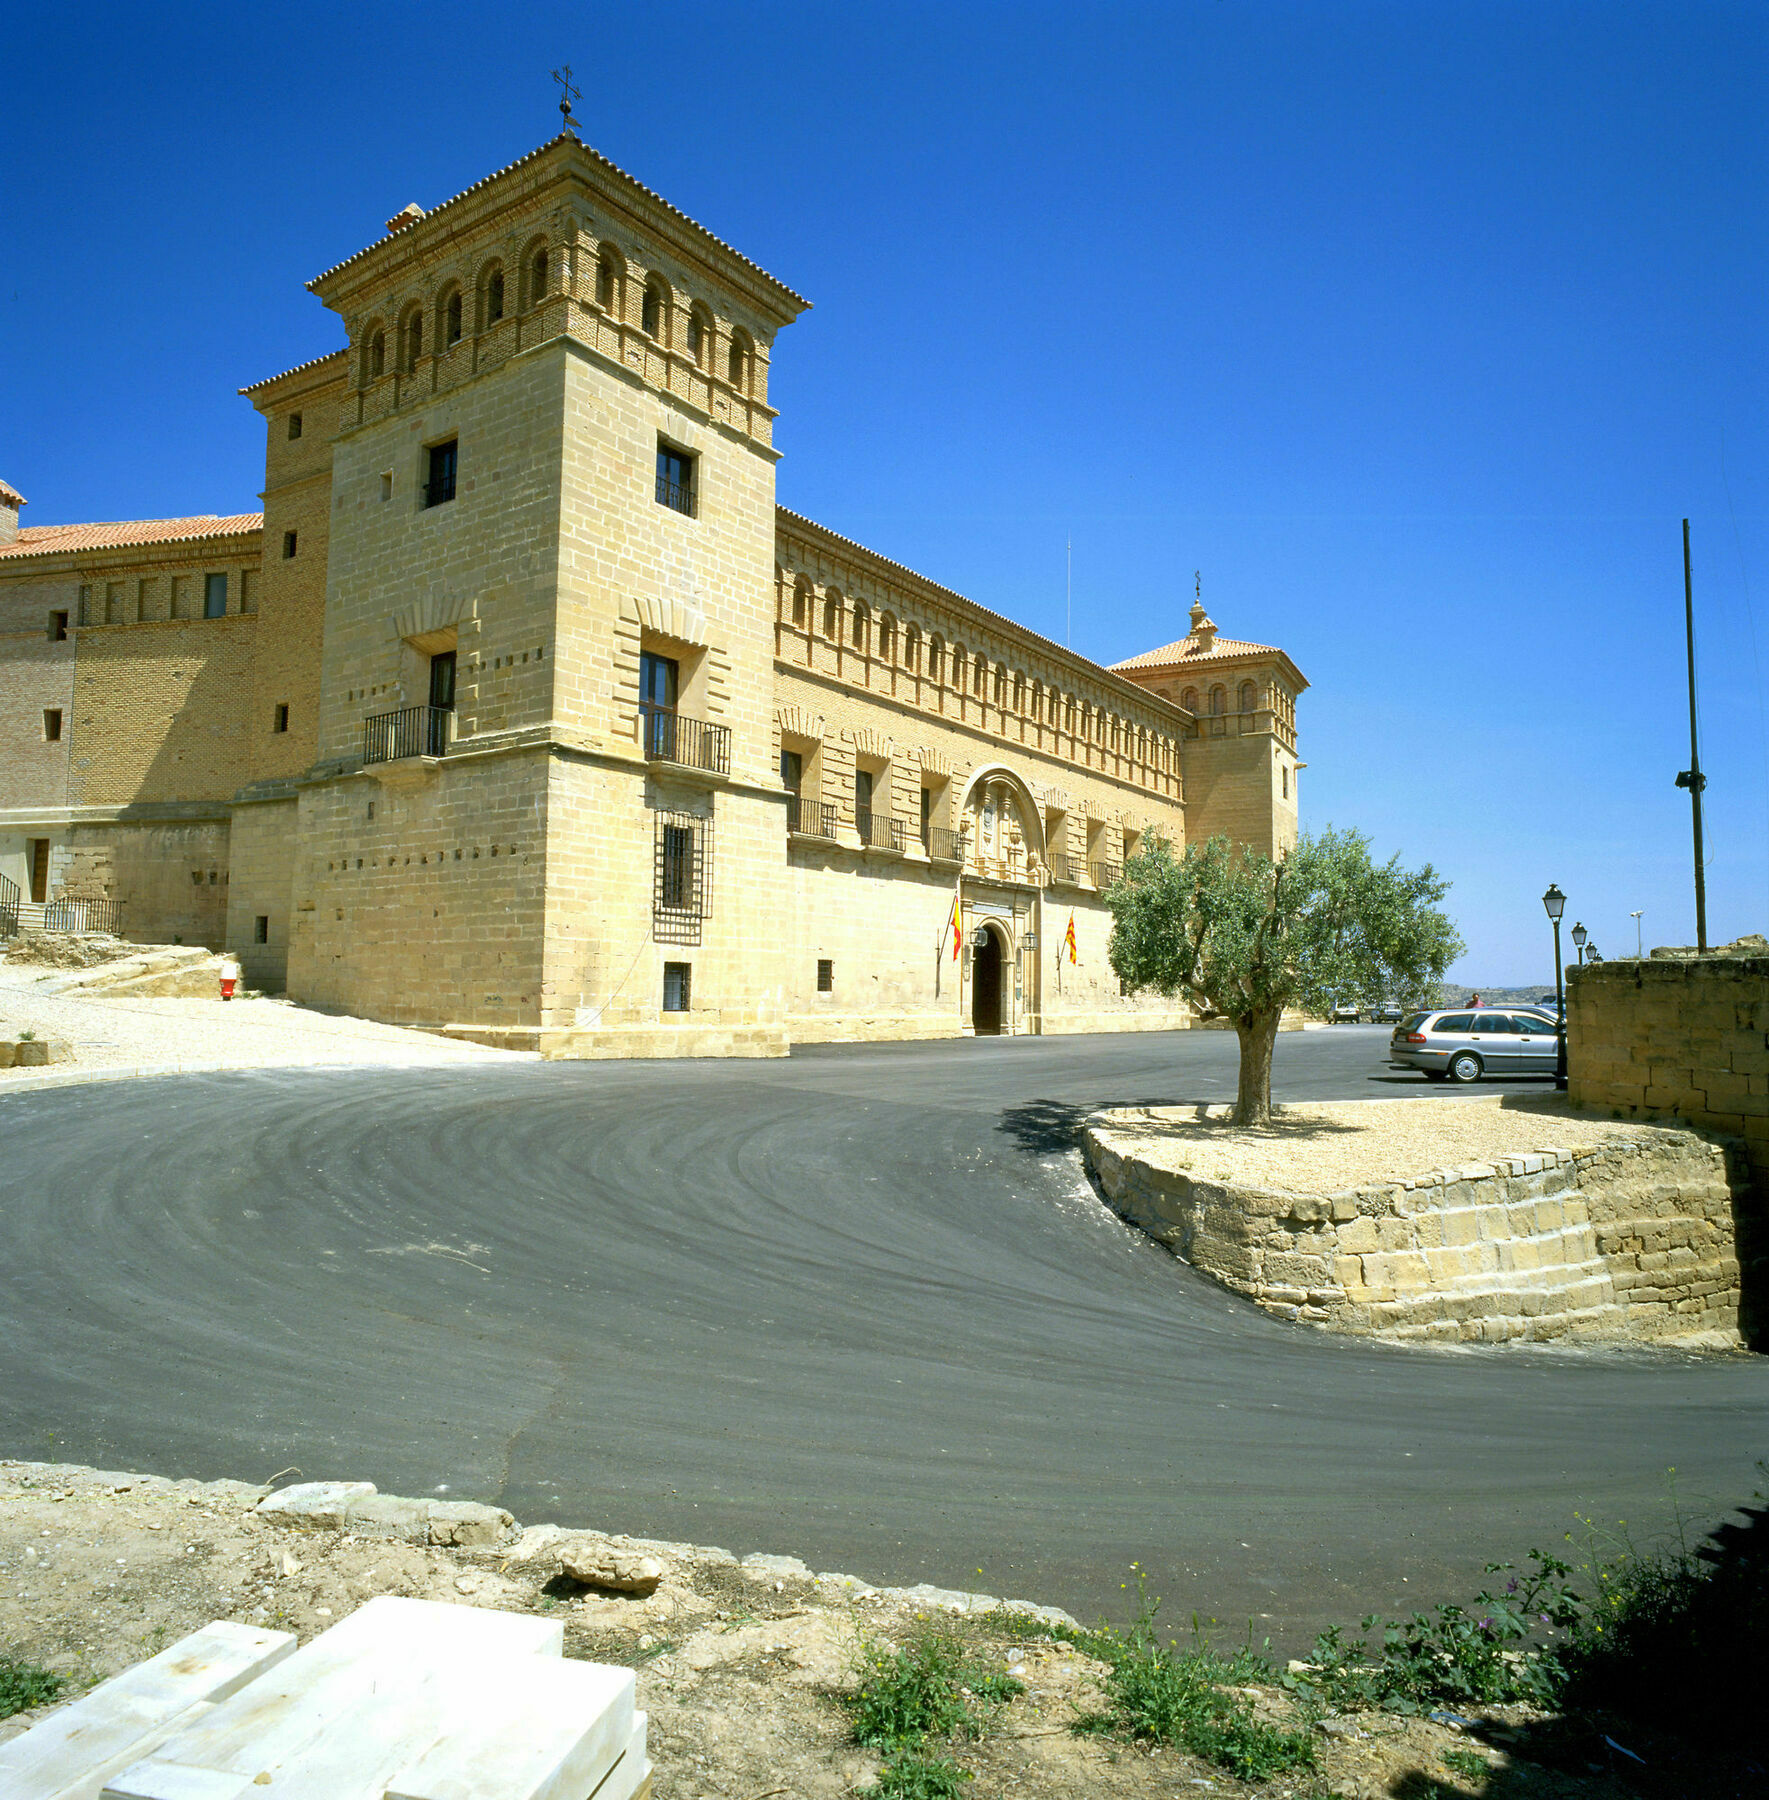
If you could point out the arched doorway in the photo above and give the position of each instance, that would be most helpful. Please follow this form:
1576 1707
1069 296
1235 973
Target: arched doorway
985 983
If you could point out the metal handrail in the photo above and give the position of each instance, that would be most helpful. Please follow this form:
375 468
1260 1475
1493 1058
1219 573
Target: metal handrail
809 818
9 898
943 845
412 731
677 495
689 743
1104 874
1067 868
83 915
878 831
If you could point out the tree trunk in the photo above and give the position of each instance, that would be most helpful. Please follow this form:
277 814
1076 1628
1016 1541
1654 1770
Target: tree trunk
1253 1096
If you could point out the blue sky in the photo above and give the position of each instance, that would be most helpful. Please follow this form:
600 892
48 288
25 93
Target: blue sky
1418 328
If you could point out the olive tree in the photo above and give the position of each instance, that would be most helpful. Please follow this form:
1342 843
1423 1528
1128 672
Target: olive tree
1245 937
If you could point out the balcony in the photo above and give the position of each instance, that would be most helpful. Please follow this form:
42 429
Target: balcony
412 731
1104 874
669 737
878 831
942 845
1071 870
809 818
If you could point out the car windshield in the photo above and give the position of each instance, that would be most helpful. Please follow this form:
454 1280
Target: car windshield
1412 1021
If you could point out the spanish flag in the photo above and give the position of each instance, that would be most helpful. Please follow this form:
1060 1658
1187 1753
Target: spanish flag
957 930
1069 938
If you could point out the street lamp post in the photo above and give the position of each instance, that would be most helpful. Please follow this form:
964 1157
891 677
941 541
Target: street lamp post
1554 904
1579 934
1639 940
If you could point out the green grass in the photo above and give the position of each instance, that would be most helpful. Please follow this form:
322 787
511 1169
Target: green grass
23 1685
915 1775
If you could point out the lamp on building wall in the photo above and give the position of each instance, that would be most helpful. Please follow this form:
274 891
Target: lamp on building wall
1554 904
1579 934
979 937
1030 940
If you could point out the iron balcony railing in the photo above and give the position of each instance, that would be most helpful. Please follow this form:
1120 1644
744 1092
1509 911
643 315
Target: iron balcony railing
412 731
809 818
8 907
677 495
1104 874
878 831
1063 867
942 845
83 915
689 743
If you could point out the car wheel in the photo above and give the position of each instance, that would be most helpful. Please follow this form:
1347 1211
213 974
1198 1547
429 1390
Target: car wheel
1464 1067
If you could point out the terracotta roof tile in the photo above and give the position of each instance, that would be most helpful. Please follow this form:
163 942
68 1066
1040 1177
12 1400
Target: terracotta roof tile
10 494
52 540
613 169
1189 650
314 362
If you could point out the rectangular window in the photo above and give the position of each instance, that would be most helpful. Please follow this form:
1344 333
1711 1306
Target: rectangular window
85 606
144 596
825 975
675 479
387 486
280 720
439 472
792 771
1286 781
261 927
927 813
39 869
179 604
289 541
113 603
681 892
58 627
214 596
294 426
52 725
249 589
676 986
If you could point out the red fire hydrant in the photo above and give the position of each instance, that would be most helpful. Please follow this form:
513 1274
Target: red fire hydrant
230 975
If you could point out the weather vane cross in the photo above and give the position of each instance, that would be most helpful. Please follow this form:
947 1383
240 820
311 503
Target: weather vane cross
567 94
1198 578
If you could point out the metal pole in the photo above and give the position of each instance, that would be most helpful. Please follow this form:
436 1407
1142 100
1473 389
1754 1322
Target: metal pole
1695 780
1560 1021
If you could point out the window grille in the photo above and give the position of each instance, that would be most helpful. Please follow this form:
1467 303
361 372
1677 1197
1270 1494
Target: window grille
442 460
677 982
825 975
681 894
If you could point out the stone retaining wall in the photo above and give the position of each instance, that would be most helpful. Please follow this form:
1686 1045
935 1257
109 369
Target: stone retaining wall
1630 1240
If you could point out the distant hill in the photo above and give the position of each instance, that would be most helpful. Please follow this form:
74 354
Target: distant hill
1452 993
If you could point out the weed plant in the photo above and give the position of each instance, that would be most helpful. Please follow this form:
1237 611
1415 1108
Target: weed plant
1164 1695
929 1690
23 1685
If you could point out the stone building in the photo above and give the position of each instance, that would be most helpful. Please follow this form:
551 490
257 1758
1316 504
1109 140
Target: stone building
525 712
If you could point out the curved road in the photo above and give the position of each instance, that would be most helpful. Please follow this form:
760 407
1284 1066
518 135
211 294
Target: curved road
860 1306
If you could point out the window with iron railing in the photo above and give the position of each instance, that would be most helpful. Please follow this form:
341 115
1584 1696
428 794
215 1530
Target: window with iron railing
441 461
675 480
682 877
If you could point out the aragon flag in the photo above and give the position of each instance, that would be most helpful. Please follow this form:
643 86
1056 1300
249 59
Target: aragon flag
1069 938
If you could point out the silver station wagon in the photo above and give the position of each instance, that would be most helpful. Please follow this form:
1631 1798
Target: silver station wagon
1464 1046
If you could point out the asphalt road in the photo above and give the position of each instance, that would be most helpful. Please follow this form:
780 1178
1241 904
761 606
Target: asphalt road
860 1306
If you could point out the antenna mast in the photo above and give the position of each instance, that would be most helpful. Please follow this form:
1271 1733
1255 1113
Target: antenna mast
1069 597
1692 777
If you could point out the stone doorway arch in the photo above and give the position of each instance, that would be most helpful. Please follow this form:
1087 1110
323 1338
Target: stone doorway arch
988 980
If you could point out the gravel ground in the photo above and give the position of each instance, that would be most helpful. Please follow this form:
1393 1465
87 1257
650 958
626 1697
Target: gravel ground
163 1035
1322 1146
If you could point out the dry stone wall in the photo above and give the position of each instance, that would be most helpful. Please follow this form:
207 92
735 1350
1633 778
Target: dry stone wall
1630 1240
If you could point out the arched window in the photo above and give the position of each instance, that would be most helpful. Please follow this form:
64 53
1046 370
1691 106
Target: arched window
1019 692
493 287
1069 712
537 276
608 281
655 309
912 648
1189 700
700 335
861 620
411 339
1246 696
374 355
832 607
979 675
887 638
936 657
1000 685
737 362
1218 702
451 319
801 602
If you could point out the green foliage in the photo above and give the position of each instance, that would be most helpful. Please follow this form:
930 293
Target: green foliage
930 1688
1497 1651
914 1775
1469 1764
1246 936
23 1685
1166 1695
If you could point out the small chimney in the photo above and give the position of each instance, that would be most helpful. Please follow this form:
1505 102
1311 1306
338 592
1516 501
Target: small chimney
1203 627
406 217
10 501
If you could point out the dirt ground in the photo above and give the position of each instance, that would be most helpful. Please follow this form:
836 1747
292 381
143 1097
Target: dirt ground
739 1668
